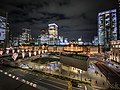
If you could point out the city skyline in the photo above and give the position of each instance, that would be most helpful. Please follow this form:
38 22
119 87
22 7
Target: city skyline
75 18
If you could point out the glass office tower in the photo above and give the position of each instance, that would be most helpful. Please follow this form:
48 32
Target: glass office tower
107 27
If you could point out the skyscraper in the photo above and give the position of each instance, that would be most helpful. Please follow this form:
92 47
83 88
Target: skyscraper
107 28
2 27
118 17
4 31
25 38
53 34
43 38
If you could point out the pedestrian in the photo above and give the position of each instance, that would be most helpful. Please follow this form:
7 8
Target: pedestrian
96 72
103 83
96 81
90 80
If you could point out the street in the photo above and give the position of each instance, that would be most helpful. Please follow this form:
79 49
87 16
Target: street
41 81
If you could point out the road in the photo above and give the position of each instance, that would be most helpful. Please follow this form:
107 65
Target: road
40 80
8 83
48 83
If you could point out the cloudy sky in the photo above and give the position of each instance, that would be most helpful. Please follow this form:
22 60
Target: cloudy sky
75 18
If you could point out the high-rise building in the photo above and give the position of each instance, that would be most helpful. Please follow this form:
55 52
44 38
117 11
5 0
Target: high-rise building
25 38
4 31
43 38
15 41
66 41
95 41
118 17
61 40
53 34
107 28
80 42
2 27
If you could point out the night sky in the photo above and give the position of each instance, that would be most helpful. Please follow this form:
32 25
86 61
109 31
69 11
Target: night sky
75 18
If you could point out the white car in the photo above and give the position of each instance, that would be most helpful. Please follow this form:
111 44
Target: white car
17 78
5 73
25 66
13 76
9 75
23 80
27 82
82 87
1 70
31 84
34 85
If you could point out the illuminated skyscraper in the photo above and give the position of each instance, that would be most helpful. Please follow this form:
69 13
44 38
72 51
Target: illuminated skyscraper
53 34
80 42
95 41
4 31
25 38
107 28
2 27
61 40
43 38
118 17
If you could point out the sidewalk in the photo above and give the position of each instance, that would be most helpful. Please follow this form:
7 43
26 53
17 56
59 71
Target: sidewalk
99 81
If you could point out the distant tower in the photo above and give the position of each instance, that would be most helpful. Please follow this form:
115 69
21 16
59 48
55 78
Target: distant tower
66 41
107 28
43 38
80 42
118 18
61 40
53 34
25 38
4 31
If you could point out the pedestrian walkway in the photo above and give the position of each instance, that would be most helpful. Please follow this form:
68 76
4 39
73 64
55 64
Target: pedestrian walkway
99 81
